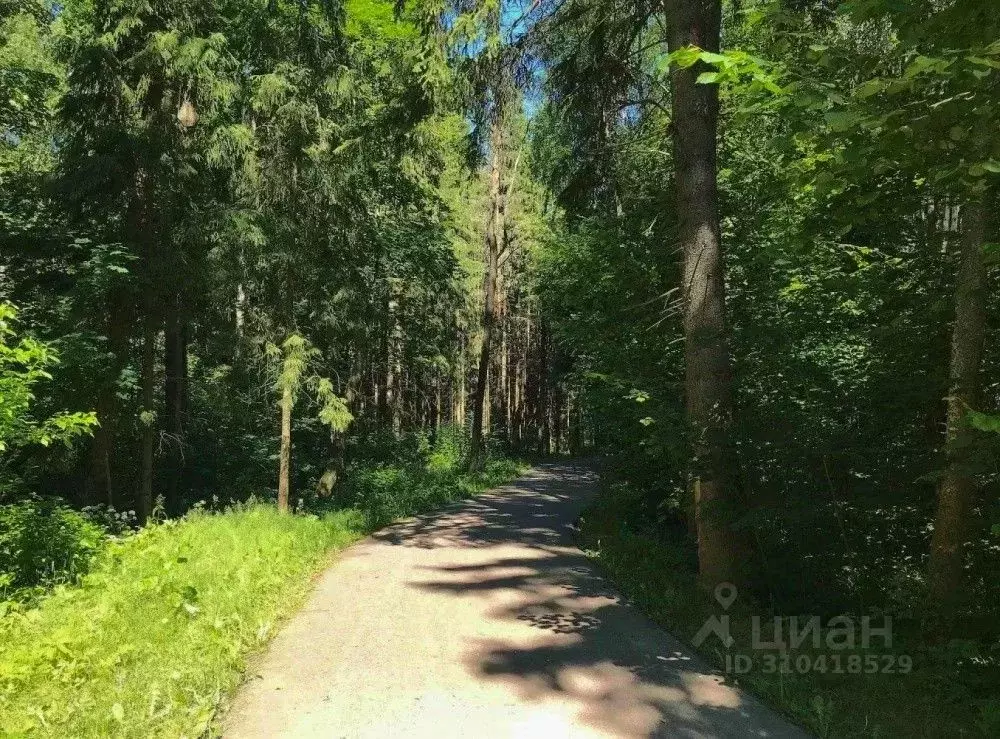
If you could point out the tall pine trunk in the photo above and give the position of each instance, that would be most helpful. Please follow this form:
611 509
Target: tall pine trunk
143 232
494 235
174 393
956 490
542 394
708 382
285 460
100 486
145 502
459 390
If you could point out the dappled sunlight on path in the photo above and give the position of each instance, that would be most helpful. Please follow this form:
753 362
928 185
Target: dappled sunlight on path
484 620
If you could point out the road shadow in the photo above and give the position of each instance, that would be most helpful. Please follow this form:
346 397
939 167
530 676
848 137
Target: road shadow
558 631
538 508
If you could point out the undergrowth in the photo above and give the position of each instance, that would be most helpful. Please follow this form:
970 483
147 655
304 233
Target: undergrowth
950 692
388 492
42 544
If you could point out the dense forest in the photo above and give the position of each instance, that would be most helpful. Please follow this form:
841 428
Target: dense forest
743 253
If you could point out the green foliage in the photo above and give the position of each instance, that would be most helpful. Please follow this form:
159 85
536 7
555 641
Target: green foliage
158 632
418 476
316 185
853 136
450 448
155 638
984 421
840 205
742 73
294 357
220 174
43 543
29 78
24 363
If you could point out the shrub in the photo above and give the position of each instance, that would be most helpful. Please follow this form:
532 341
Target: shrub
42 543
421 475
390 492
450 448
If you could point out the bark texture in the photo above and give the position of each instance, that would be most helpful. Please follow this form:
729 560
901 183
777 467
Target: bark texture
286 450
147 421
956 490
494 245
708 383
175 395
100 487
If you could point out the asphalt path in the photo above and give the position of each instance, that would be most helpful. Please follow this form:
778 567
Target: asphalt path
485 620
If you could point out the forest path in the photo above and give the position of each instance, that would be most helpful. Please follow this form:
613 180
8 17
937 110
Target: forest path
484 620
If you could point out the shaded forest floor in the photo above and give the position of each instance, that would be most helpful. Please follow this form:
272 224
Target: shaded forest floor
834 692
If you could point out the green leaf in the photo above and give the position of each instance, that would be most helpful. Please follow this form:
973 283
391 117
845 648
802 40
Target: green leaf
983 62
711 58
840 122
870 88
984 421
639 396
686 57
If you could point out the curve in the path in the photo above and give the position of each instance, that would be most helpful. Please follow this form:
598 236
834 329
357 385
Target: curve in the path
484 620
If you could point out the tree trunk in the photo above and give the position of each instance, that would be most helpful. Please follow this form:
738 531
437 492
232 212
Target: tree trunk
542 391
576 425
100 483
335 467
494 236
956 490
175 393
503 387
460 381
286 449
391 397
557 419
479 396
144 233
525 407
708 382
438 400
147 421
514 390
175 366
99 487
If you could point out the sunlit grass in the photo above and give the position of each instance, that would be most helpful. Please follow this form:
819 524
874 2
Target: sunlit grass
154 639
158 633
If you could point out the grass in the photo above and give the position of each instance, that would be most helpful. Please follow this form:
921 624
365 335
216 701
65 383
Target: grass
388 492
156 636
934 700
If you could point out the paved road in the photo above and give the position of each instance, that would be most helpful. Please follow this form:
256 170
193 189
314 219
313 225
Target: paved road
483 620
